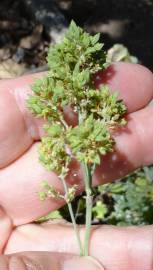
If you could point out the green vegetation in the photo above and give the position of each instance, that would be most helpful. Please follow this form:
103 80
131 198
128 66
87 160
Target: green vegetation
130 200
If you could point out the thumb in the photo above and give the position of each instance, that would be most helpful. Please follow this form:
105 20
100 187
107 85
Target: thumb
77 263
47 261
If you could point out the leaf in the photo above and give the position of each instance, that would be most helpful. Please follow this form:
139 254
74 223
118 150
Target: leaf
74 31
51 216
95 39
98 47
142 182
100 210
117 188
55 130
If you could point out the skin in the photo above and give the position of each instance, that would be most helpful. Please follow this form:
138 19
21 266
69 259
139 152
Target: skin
53 246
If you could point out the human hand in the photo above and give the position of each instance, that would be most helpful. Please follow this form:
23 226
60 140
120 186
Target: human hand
21 175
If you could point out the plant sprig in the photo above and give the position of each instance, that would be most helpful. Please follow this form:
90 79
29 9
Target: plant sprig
69 82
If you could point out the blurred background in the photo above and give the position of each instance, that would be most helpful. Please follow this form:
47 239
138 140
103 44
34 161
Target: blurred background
28 27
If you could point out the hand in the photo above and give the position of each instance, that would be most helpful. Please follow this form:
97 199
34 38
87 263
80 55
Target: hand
21 175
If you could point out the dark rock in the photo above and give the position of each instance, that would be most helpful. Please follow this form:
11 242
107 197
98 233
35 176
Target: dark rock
47 13
19 55
32 41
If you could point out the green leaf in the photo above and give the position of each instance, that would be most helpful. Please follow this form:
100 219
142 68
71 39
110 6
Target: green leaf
117 188
74 31
51 216
142 182
100 210
95 39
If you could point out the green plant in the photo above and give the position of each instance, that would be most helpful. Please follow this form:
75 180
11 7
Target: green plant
132 200
70 82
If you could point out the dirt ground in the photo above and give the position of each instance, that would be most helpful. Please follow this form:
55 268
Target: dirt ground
28 27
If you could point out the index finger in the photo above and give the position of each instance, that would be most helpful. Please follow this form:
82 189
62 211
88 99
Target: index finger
19 129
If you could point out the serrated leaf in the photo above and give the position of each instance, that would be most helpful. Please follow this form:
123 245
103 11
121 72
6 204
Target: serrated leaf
95 39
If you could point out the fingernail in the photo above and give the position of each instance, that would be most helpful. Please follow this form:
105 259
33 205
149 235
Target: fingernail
82 263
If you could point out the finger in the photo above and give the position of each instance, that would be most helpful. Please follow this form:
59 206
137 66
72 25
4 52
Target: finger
23 179
18 128
22 204
5 229
47 261
115 248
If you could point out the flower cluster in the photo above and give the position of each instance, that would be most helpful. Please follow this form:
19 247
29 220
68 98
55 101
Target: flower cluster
70 82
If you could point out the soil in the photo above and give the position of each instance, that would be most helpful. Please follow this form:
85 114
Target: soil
28 27
23 40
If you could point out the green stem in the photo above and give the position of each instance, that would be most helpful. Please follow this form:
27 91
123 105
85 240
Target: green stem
69 204
78 210
88 189
73 218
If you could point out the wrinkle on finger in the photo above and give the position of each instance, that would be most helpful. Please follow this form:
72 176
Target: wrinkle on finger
5 229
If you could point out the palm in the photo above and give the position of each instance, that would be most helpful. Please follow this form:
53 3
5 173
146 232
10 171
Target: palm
21 173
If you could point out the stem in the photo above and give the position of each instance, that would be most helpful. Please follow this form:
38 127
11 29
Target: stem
77 211
73 218
88 189
69 204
